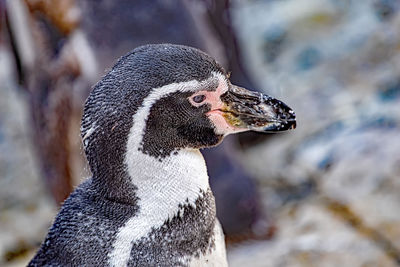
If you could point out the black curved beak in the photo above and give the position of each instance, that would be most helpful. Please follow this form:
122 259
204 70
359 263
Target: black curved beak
254 111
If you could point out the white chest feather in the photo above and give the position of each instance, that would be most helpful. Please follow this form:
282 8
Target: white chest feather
163 186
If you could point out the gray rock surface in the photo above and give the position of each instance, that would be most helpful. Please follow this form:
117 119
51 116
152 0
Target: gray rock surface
334 182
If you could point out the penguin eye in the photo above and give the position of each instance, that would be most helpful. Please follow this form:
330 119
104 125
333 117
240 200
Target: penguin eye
199 98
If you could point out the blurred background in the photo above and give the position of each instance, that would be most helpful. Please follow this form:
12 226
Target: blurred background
325 194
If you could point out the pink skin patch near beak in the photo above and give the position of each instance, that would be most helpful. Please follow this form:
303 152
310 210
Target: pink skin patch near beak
216 115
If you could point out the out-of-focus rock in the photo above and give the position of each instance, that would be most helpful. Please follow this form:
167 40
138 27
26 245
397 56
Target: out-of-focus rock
339 67
310 236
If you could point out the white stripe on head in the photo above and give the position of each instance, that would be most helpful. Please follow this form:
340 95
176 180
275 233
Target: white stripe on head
162 186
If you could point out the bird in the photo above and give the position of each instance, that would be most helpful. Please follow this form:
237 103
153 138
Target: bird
148 201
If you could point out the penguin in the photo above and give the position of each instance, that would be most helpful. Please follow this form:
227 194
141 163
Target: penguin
148 202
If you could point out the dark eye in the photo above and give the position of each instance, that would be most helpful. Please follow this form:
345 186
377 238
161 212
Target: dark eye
199 98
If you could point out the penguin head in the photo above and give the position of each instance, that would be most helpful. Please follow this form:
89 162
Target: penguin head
170 97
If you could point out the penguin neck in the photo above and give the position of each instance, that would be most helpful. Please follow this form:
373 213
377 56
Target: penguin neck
154 185
166 183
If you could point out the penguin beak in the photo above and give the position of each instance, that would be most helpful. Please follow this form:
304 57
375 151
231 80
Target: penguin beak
248 110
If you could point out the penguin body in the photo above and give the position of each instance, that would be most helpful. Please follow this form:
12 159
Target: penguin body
86 238
148 202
